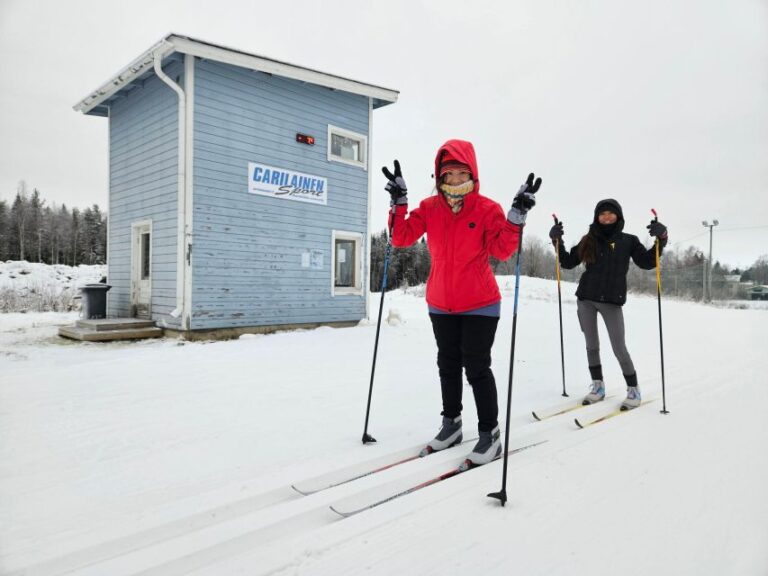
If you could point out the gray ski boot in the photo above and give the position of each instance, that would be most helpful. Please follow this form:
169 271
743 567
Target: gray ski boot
596 393
487 449
633 398
449 435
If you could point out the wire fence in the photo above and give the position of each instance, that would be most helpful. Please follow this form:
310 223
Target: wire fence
684 272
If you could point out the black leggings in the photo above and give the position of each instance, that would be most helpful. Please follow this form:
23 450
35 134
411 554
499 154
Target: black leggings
466 341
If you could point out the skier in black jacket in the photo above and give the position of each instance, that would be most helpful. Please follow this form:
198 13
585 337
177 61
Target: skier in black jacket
606 250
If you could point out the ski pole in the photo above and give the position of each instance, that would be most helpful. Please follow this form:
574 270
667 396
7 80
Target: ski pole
531 187
367 437
661 332
502 494
560 305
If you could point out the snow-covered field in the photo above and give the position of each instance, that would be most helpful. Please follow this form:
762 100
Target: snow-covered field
163 457
29 286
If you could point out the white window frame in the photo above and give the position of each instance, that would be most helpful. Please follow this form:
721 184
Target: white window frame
348 134
357 289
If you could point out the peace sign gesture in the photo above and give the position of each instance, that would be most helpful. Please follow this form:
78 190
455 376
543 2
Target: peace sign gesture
524 200
396 185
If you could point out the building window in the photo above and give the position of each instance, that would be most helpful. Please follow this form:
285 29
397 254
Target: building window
347 263
345 259
347 147
145 260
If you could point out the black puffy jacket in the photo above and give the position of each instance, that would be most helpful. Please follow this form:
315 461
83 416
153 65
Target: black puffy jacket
606 279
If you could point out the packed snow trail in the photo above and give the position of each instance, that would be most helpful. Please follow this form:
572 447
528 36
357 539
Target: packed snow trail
102 444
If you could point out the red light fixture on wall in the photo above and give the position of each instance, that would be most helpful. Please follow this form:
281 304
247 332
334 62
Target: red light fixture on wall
305 139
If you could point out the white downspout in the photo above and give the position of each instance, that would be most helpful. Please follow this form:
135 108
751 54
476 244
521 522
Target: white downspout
367 264
189 90
181 210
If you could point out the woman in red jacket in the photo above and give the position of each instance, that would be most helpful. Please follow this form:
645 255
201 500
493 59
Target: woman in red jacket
463 230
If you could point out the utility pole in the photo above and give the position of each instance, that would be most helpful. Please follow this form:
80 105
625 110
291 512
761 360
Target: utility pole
708 281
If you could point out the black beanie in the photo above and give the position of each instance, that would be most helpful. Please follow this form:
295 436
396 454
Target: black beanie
609 204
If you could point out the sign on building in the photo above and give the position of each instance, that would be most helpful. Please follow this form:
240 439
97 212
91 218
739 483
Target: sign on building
284 183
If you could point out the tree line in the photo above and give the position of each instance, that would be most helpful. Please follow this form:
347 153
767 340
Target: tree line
682 270
33 230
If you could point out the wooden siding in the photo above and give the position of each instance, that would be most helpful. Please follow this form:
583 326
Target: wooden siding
143 140
247 254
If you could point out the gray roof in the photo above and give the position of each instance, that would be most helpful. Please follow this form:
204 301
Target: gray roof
96 101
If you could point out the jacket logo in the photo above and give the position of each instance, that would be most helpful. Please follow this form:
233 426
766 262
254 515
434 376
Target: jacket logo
612 245
471 224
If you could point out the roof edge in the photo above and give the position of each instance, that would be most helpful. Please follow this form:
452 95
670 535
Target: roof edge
126 75
187 45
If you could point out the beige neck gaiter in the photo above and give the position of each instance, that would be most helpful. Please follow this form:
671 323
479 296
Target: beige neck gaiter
454 195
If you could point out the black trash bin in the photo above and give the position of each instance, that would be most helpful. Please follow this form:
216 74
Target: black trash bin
95 300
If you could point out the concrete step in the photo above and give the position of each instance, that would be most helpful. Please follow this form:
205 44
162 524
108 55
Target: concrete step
115 324
88 335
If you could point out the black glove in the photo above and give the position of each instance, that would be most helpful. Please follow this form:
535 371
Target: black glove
524 200
396 187
656 228
556 232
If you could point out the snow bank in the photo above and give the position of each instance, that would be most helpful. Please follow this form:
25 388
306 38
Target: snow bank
34 287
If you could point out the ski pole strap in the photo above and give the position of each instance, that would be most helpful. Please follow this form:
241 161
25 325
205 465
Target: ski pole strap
517 269
384 276
658 267
557 253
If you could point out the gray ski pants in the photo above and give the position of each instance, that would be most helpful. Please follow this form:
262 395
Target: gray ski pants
614 321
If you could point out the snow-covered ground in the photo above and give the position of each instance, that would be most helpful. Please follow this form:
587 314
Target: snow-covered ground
164 457
29 286
20 274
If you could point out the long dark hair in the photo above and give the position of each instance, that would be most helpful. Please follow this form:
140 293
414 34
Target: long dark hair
587 248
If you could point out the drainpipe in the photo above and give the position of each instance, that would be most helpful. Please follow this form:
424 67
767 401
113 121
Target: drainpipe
184 247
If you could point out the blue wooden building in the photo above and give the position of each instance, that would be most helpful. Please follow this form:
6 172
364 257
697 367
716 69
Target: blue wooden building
239 190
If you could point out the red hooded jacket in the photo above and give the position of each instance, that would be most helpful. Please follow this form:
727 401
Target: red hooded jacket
459 244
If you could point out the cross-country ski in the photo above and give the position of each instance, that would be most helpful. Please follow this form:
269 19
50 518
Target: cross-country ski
358 471
558 409
458 468
611 412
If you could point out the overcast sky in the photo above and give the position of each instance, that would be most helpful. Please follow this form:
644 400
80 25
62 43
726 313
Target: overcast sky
660 103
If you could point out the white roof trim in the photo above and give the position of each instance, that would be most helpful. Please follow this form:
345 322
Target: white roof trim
125 76
183 44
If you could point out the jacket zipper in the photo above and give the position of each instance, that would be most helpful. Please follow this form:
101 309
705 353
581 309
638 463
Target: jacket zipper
451 237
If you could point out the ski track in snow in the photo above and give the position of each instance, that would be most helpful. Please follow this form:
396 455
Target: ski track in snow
686 487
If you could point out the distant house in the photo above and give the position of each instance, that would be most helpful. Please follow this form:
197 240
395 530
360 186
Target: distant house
239 190
758 293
